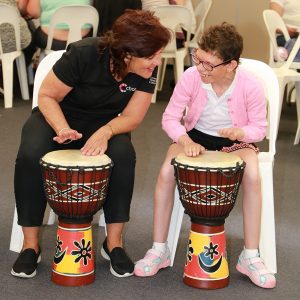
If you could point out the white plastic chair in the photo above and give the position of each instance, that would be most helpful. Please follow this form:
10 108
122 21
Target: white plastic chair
75 16
173 17
201 12
16 240
274 21
267 245
286 72
11 15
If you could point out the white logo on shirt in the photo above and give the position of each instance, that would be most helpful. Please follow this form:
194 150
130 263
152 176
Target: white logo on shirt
152 80
124 88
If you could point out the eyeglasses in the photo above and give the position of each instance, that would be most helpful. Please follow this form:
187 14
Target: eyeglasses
207 66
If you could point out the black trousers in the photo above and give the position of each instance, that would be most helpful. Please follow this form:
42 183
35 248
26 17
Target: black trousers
36 141
40 40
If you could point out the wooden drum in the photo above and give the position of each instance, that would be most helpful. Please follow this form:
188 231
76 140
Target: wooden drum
76 188
208 186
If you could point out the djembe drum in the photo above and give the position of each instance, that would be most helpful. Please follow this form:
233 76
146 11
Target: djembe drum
208 186
76 188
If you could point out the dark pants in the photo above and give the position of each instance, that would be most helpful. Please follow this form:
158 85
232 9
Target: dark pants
280 40
36 141
40 40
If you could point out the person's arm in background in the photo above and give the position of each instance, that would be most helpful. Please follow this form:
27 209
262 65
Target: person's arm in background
280 10
29 8
22 5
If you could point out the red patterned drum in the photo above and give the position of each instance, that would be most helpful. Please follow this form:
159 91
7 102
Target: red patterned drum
76 187
208 186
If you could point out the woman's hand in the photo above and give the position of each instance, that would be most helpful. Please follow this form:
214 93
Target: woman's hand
67 135
97 143
232 133
190 147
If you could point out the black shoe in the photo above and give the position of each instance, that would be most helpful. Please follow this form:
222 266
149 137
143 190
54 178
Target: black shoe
120 264
26 264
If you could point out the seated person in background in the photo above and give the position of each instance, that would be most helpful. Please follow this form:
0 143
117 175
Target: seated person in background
226 112
8 35
44 9
110 10
287 9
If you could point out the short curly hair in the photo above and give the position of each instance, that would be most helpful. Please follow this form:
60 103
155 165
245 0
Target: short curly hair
223 40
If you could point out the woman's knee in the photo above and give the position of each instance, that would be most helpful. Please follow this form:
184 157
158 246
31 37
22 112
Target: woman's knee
121 150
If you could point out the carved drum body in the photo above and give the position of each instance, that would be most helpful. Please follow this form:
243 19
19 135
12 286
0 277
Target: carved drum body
208 186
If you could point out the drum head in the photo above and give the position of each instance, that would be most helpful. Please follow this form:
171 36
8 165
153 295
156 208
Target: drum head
74 158
210 159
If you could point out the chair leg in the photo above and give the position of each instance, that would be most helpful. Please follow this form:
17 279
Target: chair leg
289 91
162 73
179 63
7 71
282 83
267 244
30 74
22 73
51 218
16 239
297 137
102 221
153 100
175 226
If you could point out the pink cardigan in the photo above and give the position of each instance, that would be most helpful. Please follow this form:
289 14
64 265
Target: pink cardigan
247 106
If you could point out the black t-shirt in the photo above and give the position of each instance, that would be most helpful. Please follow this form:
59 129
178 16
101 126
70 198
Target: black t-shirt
95 94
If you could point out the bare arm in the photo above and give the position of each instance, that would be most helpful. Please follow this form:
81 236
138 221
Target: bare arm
29 8
52 91
275 6
22 6
133 113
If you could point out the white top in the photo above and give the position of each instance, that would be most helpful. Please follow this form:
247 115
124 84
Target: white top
291 12
215 115
210 159
74 158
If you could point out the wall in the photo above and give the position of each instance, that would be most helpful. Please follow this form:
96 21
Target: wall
247 17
